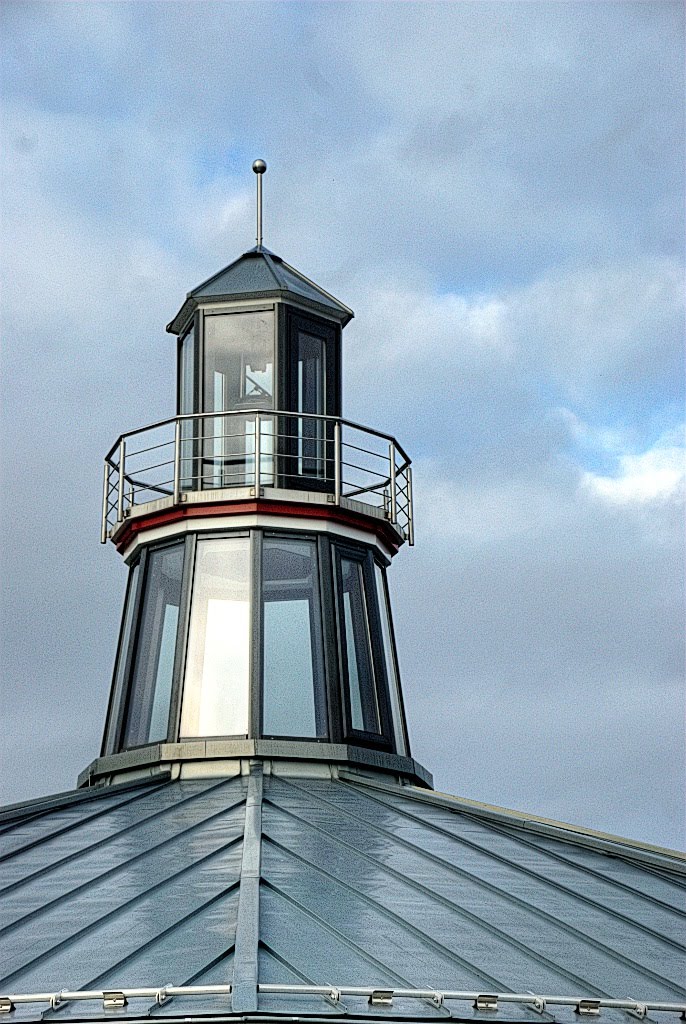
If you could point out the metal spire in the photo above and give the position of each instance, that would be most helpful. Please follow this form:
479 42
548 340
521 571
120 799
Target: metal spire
259 167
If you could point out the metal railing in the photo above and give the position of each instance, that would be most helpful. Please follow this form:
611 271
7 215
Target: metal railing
117 999
258 449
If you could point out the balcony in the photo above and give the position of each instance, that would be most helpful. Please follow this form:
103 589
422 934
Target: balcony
282 456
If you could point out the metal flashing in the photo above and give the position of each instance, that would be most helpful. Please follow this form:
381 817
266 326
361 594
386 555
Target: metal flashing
163 755
244 993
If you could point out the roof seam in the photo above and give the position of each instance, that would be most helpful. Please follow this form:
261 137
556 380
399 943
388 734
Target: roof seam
616 954
244 994
384 912
632 849
450 904
85 851
116 911
156 938
76 824
584 868
341 937
121 866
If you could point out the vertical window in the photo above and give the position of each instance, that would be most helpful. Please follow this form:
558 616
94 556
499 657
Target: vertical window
311 388
239 374
364 707
216 692
187 407
311 399
150 690
294 689
122 660
390 661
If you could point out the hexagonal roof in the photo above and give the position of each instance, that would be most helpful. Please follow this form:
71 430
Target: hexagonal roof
258 274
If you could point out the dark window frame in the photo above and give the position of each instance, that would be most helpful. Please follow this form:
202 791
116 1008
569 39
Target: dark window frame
134 641
365 557
124 655
386 596
292 321
329 551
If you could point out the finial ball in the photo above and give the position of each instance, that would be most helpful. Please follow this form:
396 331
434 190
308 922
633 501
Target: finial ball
259 166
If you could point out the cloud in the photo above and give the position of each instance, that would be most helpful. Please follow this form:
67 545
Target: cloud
497 190
658 474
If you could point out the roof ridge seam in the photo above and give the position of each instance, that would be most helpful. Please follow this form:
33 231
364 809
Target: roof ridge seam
273 271
632 848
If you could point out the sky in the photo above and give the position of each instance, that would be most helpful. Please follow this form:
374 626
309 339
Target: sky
497 190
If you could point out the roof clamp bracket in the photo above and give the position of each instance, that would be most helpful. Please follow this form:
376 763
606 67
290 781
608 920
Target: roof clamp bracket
640 1010
485 1001
114 1001
161 995
381 997
335 995
55 1000
6 1004
437 1000
588 1007
537 1004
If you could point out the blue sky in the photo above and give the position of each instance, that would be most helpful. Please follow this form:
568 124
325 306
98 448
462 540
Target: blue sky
497 189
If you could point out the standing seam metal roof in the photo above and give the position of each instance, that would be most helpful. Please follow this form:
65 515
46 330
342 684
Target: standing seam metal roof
250 881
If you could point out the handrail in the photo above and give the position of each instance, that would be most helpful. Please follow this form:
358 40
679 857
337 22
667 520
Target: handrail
260 412
269 448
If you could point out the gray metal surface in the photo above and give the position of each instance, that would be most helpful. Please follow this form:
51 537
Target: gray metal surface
259 273
327 882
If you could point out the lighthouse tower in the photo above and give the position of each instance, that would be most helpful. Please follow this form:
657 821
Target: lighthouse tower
258 525
255 841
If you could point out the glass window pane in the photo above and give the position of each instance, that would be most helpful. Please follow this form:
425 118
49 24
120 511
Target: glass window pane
294 694
239 347
187 406
389 661
239 374
186 391
364 708
119 681
150 695
311 399
216 689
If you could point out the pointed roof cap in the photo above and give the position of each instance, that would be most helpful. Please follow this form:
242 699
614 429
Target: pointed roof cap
259 274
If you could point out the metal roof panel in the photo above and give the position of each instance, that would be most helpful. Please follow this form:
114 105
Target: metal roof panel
338 882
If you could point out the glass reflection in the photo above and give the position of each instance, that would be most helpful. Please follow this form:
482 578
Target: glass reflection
148 710
364 708
294 694
390 661
216 687
239 374
187 406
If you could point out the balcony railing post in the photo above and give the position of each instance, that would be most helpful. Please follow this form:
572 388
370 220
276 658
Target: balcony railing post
410 508
105 500
337 469
177 461
120 495
394 495
258 453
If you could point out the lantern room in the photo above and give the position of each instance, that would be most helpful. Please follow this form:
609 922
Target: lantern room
258 525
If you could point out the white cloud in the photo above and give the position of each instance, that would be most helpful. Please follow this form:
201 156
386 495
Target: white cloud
657 474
